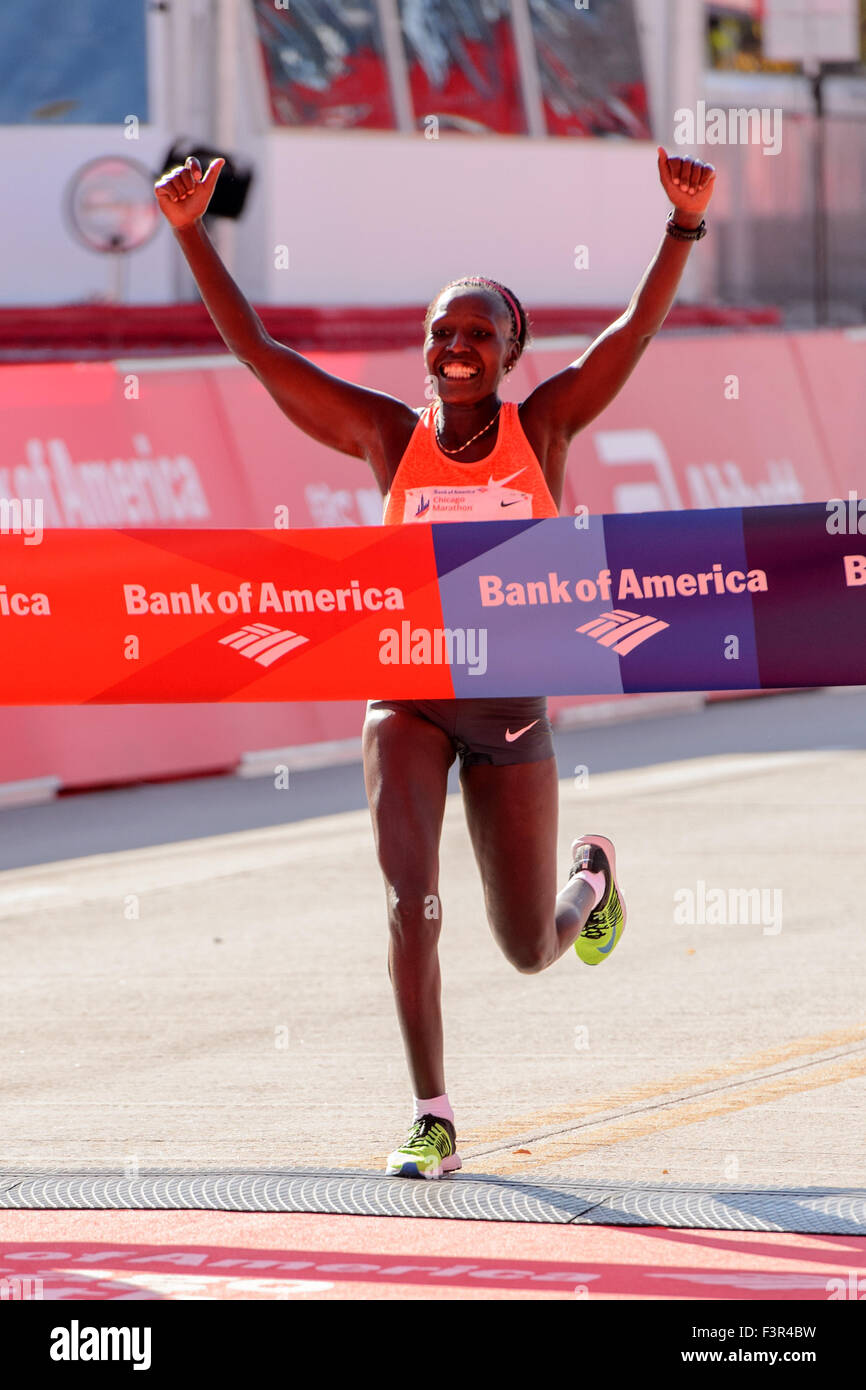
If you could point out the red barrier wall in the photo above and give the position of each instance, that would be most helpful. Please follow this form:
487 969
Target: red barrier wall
717 419
115 330
832 382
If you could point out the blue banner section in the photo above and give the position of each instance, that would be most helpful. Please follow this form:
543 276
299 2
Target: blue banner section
525 589
811 622
682 586
729 599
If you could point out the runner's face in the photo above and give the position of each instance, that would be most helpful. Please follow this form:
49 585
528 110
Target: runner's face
469 344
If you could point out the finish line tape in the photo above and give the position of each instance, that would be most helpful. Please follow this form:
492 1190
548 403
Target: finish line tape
734 599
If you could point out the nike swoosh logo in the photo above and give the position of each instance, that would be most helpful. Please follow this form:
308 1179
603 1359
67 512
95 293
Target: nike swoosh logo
510 504
510 737
603 950
500 482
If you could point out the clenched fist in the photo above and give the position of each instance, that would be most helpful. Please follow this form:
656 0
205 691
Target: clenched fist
183 193
689 183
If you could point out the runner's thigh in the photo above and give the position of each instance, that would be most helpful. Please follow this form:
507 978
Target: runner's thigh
406 762
512 813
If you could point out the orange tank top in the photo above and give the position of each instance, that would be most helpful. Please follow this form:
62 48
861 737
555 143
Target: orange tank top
430 486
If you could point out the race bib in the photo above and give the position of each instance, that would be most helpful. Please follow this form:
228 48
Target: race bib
486 502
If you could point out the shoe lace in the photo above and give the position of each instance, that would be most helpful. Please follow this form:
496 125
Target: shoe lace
603 919
594 933
420 1135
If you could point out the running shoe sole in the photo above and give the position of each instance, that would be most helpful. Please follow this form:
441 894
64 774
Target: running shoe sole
409 1169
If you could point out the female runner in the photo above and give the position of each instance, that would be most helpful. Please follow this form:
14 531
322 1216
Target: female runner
433 465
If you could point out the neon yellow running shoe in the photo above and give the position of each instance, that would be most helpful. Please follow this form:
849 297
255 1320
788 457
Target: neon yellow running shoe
606 922
430 1150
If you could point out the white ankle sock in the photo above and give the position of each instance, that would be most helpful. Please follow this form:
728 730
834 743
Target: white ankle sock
437 1105
596 883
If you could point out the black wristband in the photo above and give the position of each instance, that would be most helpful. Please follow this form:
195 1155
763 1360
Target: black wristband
684 233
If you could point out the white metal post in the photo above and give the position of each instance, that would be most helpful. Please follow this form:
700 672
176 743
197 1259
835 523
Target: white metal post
395 63
527 64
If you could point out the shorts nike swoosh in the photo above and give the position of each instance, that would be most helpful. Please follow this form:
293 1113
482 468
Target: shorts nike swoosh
510 737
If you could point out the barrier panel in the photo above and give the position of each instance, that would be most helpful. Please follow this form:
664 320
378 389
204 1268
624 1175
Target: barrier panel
832 383
708 422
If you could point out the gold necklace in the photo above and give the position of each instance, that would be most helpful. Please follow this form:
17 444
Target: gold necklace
469 441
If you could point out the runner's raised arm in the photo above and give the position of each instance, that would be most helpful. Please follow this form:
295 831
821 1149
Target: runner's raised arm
337 413
566 402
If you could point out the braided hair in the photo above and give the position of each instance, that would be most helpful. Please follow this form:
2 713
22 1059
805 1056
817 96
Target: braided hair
520 328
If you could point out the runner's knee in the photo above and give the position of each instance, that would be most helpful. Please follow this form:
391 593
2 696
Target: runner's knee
530 958
526 946
413 916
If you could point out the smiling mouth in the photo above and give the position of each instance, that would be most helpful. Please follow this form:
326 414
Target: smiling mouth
458 371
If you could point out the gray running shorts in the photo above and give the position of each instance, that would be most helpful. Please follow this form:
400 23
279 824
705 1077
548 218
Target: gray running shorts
497 732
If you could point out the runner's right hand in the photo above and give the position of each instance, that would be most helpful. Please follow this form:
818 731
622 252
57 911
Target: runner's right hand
183 194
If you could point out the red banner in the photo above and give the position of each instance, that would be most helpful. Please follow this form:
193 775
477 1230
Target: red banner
90 617
679 601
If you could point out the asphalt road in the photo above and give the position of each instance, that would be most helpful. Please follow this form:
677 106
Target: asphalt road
218 996
156 813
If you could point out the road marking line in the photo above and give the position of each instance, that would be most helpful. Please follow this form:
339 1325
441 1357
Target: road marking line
654 1090
555 1149
738 1071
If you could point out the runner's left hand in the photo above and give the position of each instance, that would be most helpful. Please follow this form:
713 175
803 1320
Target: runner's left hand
689 183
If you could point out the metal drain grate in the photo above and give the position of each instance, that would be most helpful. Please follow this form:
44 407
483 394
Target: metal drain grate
818 1211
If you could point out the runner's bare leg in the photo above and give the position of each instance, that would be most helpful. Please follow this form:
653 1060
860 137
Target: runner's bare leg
406 762
512 813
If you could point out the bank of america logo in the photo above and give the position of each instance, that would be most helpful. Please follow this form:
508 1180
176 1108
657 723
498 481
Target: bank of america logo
262 643
621 630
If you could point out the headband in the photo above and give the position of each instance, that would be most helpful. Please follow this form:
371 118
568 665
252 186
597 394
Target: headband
500 289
